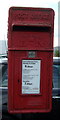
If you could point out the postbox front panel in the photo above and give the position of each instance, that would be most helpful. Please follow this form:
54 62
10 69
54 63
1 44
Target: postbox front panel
31 38
30 53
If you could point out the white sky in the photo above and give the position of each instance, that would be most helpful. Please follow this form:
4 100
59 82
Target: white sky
6 4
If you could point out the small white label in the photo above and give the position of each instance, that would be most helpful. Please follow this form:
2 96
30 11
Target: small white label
31 76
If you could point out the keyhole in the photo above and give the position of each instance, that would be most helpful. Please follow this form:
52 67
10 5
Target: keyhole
18 81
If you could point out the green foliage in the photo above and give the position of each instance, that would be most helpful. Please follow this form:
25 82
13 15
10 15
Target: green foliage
57 53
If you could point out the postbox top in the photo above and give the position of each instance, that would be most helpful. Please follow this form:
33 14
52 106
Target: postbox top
29 21
31 16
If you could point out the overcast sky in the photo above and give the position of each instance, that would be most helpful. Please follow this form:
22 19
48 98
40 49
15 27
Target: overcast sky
6 4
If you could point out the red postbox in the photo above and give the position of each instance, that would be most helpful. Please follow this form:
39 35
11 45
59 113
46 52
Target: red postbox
30 59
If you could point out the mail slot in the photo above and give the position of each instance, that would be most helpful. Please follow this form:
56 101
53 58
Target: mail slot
30 59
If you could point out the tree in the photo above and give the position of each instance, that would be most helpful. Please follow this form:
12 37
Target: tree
57 53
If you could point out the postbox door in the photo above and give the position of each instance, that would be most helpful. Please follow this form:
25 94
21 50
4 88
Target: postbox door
31 99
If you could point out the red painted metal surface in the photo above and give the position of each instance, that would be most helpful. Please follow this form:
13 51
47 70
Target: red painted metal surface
30 37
